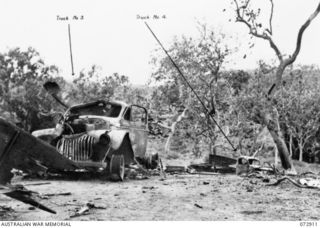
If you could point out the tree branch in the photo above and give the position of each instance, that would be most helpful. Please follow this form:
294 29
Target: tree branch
271 16
291 59
253 31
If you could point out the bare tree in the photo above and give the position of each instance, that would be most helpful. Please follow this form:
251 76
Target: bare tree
246 15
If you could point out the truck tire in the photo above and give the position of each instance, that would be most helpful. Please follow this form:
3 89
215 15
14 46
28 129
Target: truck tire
117 167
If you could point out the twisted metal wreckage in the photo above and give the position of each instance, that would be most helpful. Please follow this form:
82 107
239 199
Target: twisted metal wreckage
101 137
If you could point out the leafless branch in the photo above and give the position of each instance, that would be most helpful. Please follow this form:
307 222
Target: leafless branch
271 16
253 31
291 59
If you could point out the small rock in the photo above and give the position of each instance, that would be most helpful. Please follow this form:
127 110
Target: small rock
253 182
31 208
266 180
249 189
205 182
145 187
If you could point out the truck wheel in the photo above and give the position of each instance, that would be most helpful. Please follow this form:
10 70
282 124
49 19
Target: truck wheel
117 167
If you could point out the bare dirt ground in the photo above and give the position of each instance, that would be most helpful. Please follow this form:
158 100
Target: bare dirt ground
178 197
218 197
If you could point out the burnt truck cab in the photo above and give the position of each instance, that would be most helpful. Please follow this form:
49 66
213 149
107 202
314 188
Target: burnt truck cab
101 135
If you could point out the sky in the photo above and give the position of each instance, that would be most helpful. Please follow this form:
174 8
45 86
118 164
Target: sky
113 35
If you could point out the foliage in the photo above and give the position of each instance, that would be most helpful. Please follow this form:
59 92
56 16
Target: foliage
92 85
22 74
201 60
24 101
297 105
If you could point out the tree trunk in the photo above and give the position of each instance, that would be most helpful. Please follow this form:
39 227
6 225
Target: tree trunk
282 149
290 145
300 151
173 129
276 155
277 136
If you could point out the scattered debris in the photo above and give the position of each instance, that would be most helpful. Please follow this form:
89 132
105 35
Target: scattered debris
18 149
202 173
252 212
57 194
137 172
265 180
5 209
246 164
175 169
202 167
198 206
216 165
24 195
302 183
253 182
221 161
249 188
151 187
309 173
5 212
310 182
85 210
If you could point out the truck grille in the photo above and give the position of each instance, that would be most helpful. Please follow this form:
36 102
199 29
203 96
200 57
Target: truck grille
76 147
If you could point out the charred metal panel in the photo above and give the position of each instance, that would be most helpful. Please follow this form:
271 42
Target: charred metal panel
18 148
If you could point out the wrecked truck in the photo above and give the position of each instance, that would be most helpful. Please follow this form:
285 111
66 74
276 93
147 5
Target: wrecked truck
101 135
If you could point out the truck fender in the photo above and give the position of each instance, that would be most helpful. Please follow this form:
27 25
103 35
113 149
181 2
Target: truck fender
117 137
